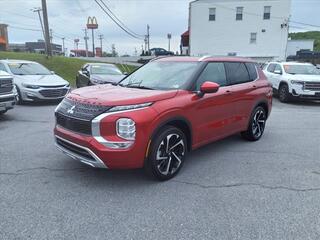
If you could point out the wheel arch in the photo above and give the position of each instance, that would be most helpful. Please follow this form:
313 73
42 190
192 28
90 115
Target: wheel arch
179 122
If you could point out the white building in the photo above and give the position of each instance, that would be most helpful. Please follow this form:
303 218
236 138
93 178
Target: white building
248 28
299 44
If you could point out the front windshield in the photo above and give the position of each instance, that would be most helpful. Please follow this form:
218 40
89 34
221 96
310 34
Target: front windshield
28 69
161 75
301 69
105 70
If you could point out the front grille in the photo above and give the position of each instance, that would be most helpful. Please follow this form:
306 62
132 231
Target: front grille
74 149
312 86
83 111
53 93
76 116
73 124
58 86
6 85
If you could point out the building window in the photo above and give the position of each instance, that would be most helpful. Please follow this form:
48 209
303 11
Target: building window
253 38
239 15
212 14
267 13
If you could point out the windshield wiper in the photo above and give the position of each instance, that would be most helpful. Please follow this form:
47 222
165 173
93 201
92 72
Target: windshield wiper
141 87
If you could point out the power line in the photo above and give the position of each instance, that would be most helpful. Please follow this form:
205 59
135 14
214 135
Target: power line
120 20
132 35
305 24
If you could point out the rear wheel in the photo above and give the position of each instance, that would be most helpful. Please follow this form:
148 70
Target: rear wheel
2 112
168 151
284 95
257 125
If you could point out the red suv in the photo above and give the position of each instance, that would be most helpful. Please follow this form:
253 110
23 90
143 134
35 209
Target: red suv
162 111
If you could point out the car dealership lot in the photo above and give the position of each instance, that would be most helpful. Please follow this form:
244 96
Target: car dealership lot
231 189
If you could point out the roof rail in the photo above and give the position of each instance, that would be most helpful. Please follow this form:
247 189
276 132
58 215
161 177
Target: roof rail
204 57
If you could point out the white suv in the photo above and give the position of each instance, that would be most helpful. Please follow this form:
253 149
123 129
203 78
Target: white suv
291 79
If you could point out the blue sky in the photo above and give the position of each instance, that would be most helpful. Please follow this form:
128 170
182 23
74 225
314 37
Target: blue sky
67 18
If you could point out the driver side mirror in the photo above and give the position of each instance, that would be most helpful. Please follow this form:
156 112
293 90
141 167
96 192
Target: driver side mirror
125 73
208 87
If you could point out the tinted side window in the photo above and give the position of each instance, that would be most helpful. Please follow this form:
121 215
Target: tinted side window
252 71
2 67
271 68
214 72
237 72
278 67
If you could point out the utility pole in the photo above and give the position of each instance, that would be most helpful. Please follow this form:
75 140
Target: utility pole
169 38
46 28
100 38
86 38
63 49
38 10
148 37
51 35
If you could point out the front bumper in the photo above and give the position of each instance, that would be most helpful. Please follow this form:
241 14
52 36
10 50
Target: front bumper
43 94
99 146
7 101
299 92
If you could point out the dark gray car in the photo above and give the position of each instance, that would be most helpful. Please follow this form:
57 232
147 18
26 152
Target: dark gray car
98 73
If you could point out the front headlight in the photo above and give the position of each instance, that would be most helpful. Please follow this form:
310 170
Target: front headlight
129 107
30 86
297 82
126 128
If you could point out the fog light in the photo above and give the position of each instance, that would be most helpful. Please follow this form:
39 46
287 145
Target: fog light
126 128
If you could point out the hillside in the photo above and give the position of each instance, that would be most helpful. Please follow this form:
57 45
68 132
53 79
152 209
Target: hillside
65 67
308 35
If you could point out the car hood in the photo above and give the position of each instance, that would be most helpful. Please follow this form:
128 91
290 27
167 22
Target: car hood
305 78
110 95
107 78
41 80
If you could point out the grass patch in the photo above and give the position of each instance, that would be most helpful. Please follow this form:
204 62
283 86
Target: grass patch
65 67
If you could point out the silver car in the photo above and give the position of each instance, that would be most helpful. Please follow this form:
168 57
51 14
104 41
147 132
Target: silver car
34 82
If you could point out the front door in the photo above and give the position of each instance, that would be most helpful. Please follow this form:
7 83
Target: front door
213 112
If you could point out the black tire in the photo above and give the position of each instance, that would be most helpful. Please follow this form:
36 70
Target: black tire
283 93
19 100
3 112
256 125
77 83
164 162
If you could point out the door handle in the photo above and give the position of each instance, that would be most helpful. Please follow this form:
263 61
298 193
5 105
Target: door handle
228 92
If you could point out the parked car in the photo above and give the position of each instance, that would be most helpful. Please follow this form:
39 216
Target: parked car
34 82
7 96
294 80
98 73
159 113
160 52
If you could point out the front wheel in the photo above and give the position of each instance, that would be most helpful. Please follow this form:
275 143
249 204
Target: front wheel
256 126
168 151
284 94
18 97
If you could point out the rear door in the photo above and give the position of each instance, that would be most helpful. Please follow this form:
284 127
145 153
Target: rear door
241 77
213 112
269 72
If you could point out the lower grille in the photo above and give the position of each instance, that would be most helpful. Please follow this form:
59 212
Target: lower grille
74 149
53 93
73 124
312 86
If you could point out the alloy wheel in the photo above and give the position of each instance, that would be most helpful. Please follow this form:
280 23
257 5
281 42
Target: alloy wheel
170 154
258 123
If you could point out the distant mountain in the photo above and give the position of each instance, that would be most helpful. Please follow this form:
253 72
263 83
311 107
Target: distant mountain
308 35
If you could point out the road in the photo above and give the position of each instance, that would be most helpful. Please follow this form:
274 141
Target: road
231 189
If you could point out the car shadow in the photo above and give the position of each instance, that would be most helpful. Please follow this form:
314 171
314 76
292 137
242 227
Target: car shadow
105 178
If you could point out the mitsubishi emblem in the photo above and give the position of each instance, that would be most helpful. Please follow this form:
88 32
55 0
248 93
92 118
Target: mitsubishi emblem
71 110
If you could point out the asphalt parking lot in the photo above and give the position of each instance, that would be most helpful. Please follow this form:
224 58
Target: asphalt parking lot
231 189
